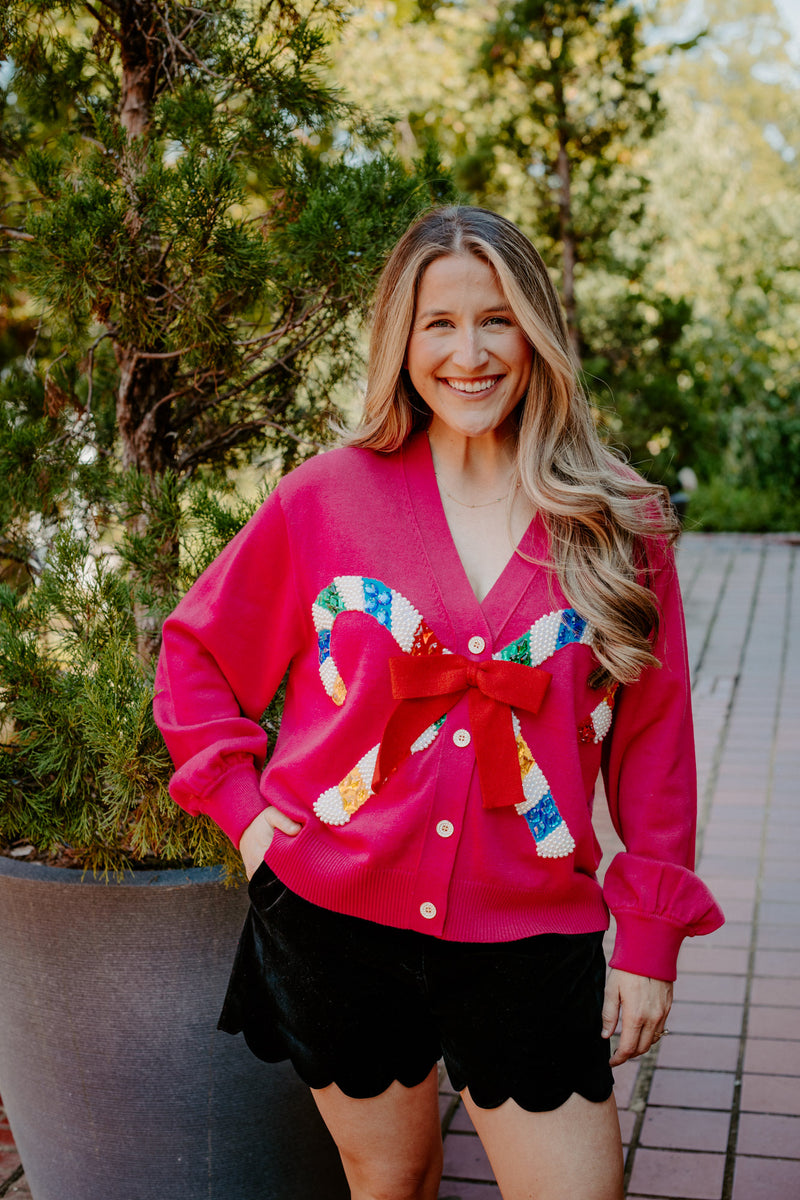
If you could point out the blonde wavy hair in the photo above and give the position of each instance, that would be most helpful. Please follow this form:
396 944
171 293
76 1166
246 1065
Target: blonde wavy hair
600 515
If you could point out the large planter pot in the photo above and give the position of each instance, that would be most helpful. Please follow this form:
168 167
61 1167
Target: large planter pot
115 1080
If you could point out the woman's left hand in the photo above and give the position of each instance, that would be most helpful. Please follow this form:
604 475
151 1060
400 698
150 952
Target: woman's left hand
645 1005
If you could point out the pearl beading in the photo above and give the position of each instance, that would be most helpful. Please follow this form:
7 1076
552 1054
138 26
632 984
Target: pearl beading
553 838
548 635
598 723
356 593
337 805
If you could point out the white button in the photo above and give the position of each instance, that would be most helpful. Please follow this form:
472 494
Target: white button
476 645
428 910
461 737
445 829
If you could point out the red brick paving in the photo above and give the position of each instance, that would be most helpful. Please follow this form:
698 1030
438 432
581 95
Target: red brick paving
766 1179
12 1182
678 1175
714 1110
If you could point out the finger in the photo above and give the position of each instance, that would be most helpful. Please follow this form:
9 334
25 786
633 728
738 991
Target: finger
279 820
627 1048
660 1032
611 1008
633 1039
637 1040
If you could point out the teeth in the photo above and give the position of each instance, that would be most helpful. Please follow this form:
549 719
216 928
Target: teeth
478 385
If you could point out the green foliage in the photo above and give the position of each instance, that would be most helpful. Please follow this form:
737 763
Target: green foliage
194 221
195 231
83 769
574 80
720 507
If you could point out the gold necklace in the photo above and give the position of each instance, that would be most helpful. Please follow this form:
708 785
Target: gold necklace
463 503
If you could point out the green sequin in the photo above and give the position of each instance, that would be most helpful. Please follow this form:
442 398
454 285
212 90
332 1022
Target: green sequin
330 599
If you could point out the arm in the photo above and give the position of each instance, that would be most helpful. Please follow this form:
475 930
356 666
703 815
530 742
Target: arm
225 649
650 779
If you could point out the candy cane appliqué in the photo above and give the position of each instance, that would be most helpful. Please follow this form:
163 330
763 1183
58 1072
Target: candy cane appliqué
355 593
551 633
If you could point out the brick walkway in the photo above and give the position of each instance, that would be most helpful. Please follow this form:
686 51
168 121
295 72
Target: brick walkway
714 1112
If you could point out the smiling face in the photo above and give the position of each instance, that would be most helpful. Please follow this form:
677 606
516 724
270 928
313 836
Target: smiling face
467 356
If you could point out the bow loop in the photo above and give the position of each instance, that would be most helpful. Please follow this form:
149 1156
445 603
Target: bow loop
428 687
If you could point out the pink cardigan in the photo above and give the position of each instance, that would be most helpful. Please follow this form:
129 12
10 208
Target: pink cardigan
474 824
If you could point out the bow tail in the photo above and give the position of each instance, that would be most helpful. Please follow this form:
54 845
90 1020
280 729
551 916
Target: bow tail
408 721
497 757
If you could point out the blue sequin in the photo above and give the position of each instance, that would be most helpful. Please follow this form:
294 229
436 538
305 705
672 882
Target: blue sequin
571 628
324 642
378 601
543 818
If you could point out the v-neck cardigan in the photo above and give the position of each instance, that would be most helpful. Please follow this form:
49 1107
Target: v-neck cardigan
350 563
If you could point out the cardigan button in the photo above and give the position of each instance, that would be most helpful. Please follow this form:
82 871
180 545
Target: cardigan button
445 829
461 737
428 910
476 644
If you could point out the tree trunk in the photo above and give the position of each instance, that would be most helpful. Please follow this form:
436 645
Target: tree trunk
147 447
142 421
141 51
568 245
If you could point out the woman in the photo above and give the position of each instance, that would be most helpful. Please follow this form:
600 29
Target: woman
479 608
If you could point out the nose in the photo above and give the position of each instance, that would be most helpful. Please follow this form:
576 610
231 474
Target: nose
470 353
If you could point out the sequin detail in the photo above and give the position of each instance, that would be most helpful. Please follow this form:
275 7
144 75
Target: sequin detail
547 635
357 593
553 838
337 805
564 627
598 723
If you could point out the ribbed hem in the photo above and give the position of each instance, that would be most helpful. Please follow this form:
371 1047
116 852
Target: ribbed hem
473 912
647 946
235 802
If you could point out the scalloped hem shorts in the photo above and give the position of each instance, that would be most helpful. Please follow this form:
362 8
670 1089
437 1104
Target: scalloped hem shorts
360 1004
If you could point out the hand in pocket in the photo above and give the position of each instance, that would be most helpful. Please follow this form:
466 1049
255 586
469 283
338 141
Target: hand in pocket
257 838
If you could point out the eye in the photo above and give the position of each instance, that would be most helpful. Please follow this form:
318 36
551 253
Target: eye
501 321
439 323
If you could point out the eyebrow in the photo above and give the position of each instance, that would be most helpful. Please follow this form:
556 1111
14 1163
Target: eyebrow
446 312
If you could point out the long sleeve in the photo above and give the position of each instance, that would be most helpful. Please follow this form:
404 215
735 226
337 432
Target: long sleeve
225 650
651 786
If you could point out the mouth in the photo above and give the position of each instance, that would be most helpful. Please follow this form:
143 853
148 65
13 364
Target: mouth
473 387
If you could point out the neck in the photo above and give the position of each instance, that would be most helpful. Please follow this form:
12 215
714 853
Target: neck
473 468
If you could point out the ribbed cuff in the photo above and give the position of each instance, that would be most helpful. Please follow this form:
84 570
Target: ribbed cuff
235 801
646 946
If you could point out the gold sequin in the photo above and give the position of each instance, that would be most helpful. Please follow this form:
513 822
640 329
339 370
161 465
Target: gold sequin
339 692
353 791
526 759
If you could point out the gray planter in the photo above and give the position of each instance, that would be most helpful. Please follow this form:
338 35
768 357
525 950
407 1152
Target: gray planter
115 1080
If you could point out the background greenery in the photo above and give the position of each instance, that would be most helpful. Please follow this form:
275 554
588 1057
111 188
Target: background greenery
680 124
196 199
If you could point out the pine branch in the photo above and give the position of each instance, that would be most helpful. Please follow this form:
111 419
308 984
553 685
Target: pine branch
262 343
109 29
234 435
18 235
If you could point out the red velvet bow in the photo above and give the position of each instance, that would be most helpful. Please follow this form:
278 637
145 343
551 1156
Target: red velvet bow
428 687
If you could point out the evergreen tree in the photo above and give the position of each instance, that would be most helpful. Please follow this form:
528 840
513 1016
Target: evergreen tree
580 103
192 221
196 257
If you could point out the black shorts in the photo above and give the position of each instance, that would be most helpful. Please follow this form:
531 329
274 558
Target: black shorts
360 1004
